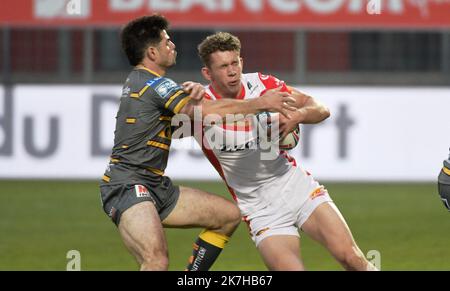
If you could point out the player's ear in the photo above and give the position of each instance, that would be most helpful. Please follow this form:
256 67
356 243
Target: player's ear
152 53
242 62
206 73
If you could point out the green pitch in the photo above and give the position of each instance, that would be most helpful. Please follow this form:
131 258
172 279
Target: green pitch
42 220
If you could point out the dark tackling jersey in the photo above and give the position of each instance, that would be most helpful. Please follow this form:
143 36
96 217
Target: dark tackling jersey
143 132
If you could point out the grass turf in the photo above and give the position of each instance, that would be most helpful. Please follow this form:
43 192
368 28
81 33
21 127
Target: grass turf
42 220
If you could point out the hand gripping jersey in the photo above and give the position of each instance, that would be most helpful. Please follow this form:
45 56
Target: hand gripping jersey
238 161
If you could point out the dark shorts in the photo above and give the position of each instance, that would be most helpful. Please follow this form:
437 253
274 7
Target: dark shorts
118 198
444 188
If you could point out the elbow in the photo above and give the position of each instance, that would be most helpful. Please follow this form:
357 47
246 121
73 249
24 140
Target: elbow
325 113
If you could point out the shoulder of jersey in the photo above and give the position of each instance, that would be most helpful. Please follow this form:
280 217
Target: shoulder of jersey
164 87
270 81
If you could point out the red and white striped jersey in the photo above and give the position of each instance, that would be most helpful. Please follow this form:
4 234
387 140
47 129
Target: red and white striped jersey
241 165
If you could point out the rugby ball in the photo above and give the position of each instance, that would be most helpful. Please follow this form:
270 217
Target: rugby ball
268 120
291 140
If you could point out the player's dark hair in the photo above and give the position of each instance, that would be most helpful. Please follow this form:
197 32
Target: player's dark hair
139 34
220 41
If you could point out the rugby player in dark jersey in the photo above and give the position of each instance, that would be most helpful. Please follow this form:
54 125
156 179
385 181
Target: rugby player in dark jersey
135 193
444 183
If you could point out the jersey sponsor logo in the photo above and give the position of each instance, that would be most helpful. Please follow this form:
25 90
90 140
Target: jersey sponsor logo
251 145
316 193
141 191
153 81
166 87
252 87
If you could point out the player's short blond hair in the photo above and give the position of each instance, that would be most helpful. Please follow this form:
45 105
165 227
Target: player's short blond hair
220 41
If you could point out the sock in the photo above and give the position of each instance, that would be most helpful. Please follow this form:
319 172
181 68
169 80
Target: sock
206 250
371 267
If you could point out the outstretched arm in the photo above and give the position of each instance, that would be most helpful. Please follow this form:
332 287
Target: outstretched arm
273 100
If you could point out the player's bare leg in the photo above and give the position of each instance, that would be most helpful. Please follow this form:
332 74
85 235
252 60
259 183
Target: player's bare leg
327 226
197 208
281 253
143 235
219 216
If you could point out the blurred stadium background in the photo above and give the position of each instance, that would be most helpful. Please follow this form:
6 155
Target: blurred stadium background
383 68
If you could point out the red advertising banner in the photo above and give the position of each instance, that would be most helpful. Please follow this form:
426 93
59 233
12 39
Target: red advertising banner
263 14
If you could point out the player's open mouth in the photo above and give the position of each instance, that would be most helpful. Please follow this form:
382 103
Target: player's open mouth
233 83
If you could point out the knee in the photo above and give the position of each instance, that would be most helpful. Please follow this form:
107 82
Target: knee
155 260
234 217
230 220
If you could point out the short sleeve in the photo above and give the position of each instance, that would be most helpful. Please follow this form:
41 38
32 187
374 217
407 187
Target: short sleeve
271 82
168 94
